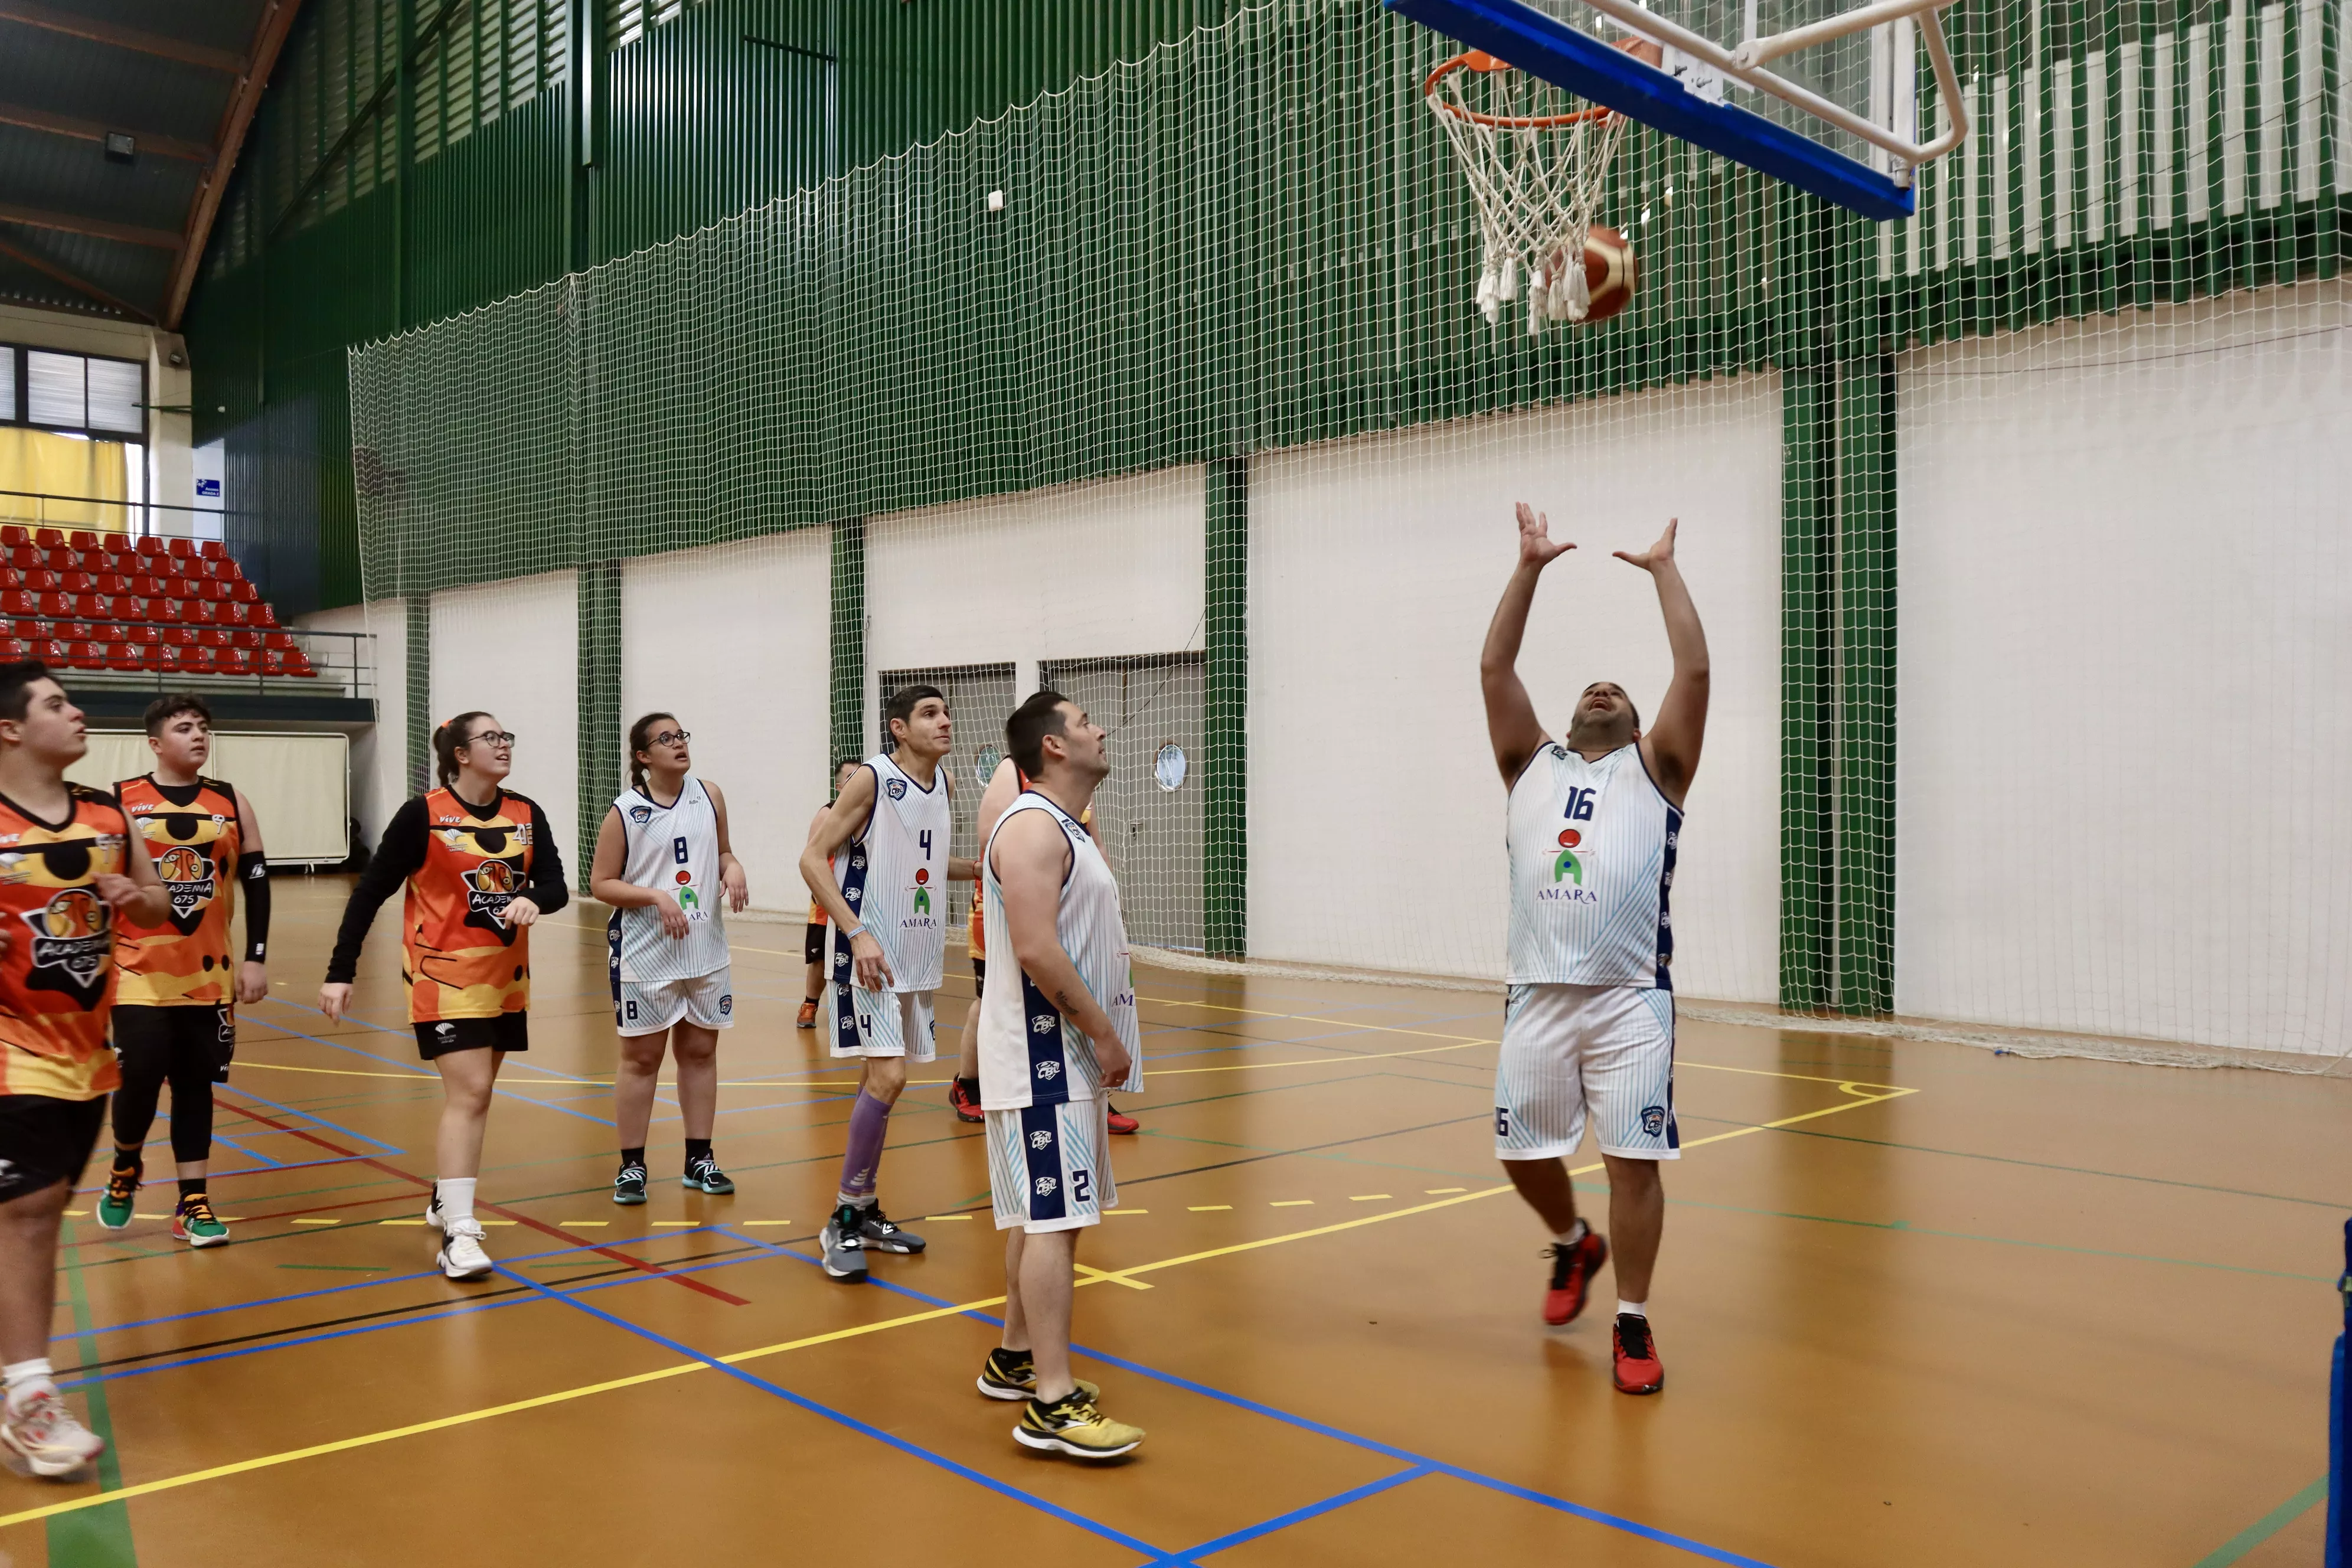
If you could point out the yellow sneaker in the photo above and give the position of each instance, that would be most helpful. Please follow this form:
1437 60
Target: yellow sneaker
1012 1375
1073 1426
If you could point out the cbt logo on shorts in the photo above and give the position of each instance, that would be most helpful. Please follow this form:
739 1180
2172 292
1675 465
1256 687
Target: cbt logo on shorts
1049 1072
1041 1139
1654 1120
727 1005
1045 1185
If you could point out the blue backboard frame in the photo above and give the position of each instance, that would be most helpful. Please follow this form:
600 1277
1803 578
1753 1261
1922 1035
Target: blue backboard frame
1545 47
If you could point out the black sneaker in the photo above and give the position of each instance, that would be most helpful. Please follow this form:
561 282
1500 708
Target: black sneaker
705 1177
882 1233
1012 1375
629 1187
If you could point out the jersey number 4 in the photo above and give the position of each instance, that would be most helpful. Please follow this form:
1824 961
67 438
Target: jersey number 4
924 838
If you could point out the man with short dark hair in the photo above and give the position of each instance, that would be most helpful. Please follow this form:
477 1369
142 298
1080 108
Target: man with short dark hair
1592 828
174 1017
70 868
1057 1032
878 863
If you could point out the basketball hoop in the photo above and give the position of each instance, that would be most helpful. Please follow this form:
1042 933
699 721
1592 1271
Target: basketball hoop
1536 162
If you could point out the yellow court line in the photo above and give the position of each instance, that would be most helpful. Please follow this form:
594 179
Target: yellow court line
1095 1277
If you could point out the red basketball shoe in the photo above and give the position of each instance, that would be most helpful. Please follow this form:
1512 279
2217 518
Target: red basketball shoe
1573 1268
1121 1121
963 1098
1638 1368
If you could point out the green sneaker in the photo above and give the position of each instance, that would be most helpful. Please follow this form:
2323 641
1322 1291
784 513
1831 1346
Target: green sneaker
121 1186
194 1223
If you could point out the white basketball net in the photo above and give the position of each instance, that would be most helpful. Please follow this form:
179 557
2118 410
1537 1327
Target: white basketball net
1537 158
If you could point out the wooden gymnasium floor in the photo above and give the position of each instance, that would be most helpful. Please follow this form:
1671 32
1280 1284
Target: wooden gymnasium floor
1919 1305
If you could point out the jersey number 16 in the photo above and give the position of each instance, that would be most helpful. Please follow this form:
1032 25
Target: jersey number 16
1579 803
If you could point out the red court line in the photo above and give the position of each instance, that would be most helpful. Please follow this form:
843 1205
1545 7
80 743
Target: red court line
503 1213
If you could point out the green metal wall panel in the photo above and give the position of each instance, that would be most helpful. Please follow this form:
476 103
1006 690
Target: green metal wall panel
602 740
1225 709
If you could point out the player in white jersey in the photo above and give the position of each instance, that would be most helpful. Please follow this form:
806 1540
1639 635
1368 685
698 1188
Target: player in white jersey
1589 1029
662 865
1057 1032
879 865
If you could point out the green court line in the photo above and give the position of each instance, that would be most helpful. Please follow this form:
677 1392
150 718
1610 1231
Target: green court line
1910 1230
2335 1205
342 1268
2270 1524
94 1537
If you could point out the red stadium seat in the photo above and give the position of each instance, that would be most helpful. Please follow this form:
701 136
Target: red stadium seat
16 602
301 664
82 539
179 636
113 583
77 581
10 648
48 537
84 656
217 592
53 604
122 656
239 661
41 580
245 592
151 547
263 615
73 631
13 535
280 640
212 638
91 605
10 576
48 650
213 550
120 545
233 614
24 557
245 639
150 637
184 549
148 586
27 629
59 559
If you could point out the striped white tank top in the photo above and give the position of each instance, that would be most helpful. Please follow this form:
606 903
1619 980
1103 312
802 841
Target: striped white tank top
894 873
674 847
1592 862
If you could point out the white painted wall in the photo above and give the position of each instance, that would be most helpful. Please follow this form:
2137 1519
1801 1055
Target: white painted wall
379 753
1375 812
2126 647
512 648
736 641
1077 571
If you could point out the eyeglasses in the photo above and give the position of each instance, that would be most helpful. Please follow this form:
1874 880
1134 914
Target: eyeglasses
671 738
492 738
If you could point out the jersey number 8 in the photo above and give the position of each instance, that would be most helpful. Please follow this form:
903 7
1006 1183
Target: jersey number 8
677 850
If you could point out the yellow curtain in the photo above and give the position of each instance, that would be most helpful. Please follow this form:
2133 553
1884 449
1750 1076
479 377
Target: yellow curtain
54 465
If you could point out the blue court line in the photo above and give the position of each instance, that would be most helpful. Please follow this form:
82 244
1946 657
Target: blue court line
1435 1467
336 1126
455 1309
224 1140
413 1068
257 1171
1055 1510
342 1289
1193 1554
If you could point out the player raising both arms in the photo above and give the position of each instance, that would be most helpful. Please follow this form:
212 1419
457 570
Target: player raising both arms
174 1019
812 943
964 1090
481 867
663 864
1589 1029
879 865
72 867
1057 1031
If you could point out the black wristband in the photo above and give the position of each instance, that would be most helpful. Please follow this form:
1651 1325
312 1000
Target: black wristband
253 878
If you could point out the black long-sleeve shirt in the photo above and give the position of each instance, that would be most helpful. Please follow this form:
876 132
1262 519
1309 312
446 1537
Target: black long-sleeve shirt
401 854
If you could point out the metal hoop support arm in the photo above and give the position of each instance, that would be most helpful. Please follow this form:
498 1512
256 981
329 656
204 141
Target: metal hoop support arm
1745 64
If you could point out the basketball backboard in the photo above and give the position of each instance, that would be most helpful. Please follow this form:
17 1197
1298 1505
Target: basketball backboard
1839 120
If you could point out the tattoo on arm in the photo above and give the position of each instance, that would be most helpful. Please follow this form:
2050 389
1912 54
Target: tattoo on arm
1062 1000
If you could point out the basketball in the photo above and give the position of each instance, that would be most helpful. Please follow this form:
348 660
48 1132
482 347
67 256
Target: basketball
1609 272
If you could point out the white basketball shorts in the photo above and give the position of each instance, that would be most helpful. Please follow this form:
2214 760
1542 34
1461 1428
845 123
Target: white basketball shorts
649 1006
882 1023
1049 1166
1570 1050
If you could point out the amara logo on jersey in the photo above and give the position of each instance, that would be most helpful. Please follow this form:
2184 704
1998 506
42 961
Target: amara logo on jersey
1568 866
73 937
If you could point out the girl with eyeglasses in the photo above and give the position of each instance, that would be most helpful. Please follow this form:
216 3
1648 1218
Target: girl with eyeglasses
480 865
663 864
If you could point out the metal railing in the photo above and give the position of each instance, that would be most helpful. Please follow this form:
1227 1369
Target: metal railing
42 508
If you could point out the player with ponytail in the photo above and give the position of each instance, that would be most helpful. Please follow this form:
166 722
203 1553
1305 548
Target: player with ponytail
480 865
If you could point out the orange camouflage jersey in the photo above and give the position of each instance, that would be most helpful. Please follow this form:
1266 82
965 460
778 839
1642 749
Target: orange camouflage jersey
58 975
460 957
195 835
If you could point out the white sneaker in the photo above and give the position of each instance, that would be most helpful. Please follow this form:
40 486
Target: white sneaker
43 1433
461 1255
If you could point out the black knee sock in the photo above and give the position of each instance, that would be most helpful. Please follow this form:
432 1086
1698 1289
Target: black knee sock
129 1159
191 1187
632 1157
696 1148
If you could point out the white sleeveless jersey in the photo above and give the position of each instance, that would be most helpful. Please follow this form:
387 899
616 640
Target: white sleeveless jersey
894 873
1029 1053
1592 860
674 847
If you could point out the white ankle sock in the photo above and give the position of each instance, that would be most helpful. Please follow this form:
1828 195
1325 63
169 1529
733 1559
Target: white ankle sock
1573 1234
456 1196
1639 1308
26 1378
